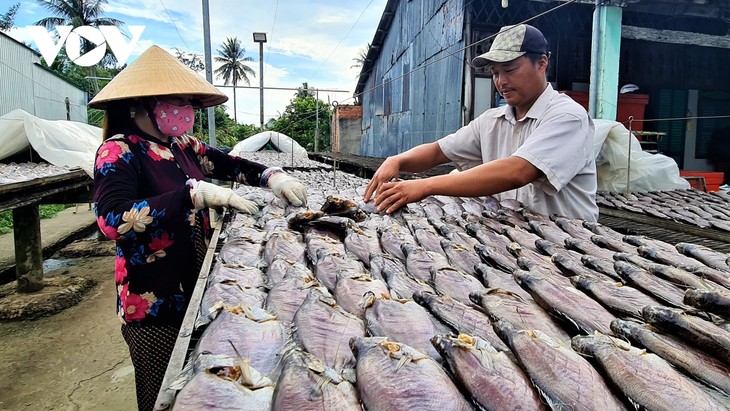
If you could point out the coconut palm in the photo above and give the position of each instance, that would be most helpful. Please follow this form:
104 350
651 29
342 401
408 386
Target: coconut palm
76 13
233 67
7 20
362 55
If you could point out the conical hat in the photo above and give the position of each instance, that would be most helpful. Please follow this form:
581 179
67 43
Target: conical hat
157 73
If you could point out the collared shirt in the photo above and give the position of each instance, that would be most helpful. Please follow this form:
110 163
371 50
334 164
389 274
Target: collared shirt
141 201
556 136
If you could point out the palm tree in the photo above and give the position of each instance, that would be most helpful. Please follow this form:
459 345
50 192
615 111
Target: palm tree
76 13
7 20
233 68
362 55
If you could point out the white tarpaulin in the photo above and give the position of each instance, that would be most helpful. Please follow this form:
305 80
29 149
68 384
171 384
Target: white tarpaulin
280 141
62 143
647 171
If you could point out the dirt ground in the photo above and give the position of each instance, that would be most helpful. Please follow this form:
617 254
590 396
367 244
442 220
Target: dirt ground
75 359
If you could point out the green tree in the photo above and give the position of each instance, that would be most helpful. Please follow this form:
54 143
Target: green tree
234 68
77 13
191 60
7 20
362 55
299 120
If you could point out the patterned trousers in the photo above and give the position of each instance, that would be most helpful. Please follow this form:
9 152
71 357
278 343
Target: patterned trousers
150 348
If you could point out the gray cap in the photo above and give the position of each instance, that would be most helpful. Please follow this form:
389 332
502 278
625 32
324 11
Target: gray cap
513 42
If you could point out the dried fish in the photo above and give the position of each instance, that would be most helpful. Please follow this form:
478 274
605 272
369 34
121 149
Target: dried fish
549 231
620 298
323 329
565 380
492 378
241 252
402 378
646 379
495 258
462 318
715 301
613 244
362 242
307 384
656 287
227 294
566 302
244 276
284 243
419 261
699 332
522 313
248 333
287 296
401 284
233 386
403 321
454 283
493 278
350 290
678 353
600 265
460 257
706 255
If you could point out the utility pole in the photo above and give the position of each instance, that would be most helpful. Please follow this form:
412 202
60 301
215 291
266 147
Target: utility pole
260 37
316 127
208 70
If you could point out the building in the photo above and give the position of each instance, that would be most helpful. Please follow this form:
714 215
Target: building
346 129
417 85
26 84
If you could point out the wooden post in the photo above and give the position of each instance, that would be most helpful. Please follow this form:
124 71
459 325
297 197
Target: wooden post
28 248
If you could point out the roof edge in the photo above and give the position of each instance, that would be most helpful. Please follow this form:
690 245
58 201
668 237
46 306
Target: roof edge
377 44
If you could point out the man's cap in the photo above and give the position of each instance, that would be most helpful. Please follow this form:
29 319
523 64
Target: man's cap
157 73
512 42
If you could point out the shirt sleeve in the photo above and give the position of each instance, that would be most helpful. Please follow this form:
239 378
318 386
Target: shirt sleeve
222 166
559 147
120 212
463 147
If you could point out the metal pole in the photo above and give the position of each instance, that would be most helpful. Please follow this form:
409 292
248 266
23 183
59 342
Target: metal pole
208 70
316 129
595 70
261 81
628 162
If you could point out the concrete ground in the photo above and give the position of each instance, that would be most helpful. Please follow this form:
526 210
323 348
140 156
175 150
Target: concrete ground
74 359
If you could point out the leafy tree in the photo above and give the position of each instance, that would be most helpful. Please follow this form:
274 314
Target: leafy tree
299 120
191 60
77 13
227 132
234 68
7 20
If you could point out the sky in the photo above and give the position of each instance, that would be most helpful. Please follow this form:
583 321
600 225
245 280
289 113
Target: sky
312 41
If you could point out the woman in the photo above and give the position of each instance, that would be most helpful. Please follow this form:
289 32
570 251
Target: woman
150 197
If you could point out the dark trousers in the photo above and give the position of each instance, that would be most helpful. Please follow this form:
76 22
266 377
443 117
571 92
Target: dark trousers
150 348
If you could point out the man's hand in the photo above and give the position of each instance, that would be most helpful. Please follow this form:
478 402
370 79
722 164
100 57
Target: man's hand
394 195
388 170
205 194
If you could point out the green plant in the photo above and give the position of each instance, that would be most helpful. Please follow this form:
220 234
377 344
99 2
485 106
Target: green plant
44 210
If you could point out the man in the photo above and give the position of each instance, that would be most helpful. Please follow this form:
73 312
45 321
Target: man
537 149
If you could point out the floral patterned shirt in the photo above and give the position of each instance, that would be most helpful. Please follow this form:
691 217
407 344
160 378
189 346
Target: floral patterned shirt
142 202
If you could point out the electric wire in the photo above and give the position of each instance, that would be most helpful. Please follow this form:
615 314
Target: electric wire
271 35
346 35
173 24
426 64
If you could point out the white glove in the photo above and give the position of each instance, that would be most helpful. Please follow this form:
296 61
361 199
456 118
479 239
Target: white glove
210 195
288 189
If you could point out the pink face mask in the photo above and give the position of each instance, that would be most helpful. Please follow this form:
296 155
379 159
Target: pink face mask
172 120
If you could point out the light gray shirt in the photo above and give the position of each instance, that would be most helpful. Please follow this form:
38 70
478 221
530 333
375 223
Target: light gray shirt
556 136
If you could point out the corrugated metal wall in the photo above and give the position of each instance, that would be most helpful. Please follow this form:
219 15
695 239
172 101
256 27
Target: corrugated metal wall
26 85
404 105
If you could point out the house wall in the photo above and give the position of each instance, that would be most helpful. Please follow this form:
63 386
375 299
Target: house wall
347 129
26 85
413 93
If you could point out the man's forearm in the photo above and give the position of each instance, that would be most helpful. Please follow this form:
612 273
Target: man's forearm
487 179
421 158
